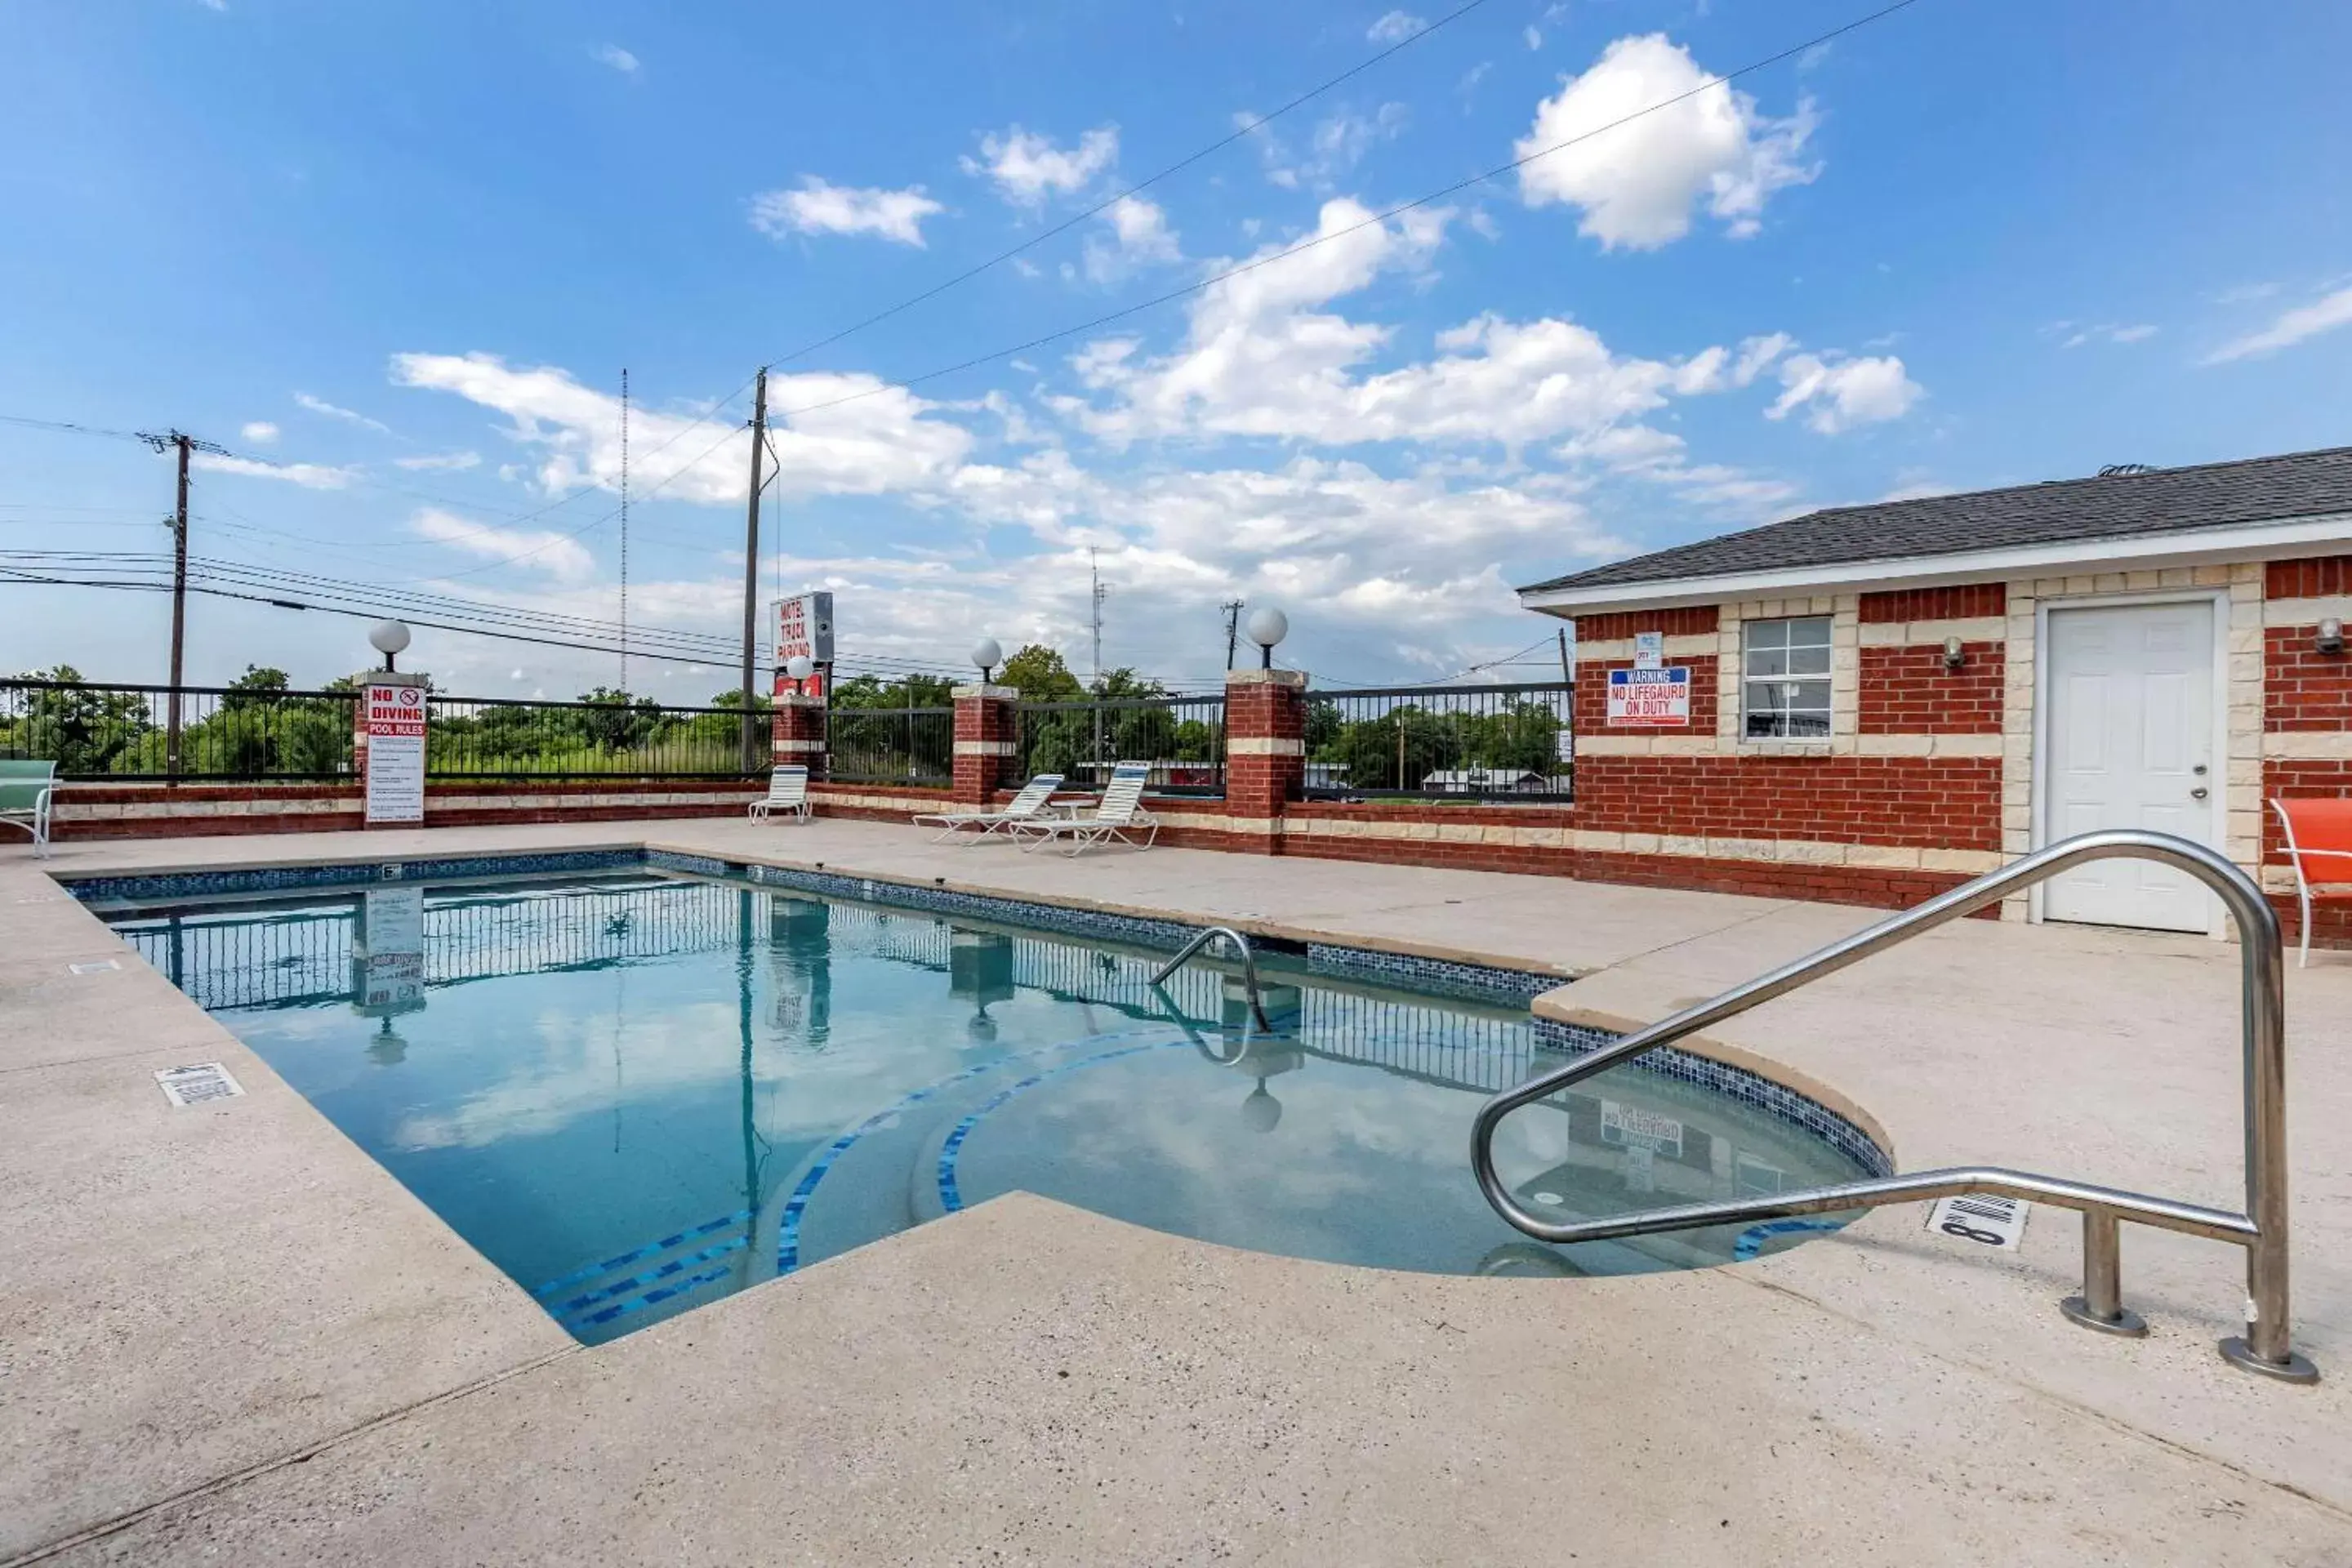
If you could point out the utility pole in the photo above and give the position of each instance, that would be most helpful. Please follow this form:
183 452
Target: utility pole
625 540
1566 671
1094 574
1232 608
751 566
183 443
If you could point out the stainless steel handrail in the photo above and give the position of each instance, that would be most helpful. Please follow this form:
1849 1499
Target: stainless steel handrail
2267 1344
1249 965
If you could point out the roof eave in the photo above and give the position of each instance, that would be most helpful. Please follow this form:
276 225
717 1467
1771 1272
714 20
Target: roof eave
2188 547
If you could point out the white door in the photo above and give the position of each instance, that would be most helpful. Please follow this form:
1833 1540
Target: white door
2130 732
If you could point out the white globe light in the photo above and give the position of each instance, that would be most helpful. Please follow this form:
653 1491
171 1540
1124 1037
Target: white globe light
1268 626
800 667
388 637
987 654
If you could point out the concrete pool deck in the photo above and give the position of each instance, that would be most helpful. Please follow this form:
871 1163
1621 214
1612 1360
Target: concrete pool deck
226 1334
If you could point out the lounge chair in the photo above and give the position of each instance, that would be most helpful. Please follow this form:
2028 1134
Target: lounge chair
1120 812
2319 843
787 792
25 790
1033 798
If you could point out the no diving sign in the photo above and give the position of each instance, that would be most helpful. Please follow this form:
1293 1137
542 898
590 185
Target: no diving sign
1650 699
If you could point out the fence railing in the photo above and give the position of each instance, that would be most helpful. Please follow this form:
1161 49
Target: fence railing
891 745
124 733
1439 743
1184 739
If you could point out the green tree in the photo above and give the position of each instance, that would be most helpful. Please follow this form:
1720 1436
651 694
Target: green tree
1397 751
618 721
83 732
1038 673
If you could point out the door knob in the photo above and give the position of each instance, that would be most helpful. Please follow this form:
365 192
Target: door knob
2198 794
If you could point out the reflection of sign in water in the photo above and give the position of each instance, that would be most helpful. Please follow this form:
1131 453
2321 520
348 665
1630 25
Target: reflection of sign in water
1628 1127
394 722
388 953
1650 699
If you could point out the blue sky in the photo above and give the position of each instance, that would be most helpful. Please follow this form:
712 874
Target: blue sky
394 259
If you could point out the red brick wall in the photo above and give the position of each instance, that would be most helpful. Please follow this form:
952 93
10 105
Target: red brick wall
1257 785
1961 603
1942 802
1907 691
2307 579
222 809
1688 621
1592 696
976 777
2303 688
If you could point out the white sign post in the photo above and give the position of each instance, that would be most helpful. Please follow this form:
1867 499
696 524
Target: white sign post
393 726
1650 699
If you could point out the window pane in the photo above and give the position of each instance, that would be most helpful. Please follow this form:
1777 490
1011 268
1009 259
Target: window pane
1809 631
1811 695
1808 660
1807 726
1768 661
1765 696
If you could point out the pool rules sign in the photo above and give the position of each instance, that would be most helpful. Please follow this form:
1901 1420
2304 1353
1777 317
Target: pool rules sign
391 725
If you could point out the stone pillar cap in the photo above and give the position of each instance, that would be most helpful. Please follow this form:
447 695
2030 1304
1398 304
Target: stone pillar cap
1294 678
991 693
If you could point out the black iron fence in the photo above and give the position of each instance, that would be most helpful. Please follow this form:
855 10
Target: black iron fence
1184 739
1439 743
891 745
127 731
95 732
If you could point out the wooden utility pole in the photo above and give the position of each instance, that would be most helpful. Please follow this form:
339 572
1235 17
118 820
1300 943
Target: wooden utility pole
179 607
751 568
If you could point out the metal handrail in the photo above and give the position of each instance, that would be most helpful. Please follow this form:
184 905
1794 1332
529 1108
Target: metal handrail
1249 966
2266 1346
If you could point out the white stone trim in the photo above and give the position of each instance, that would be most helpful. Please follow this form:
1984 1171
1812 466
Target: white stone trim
1616 650
1264 746
1915 634
2285 745
1979 745
988 748
994 693
2306 612
1647 744
797 747
1762 851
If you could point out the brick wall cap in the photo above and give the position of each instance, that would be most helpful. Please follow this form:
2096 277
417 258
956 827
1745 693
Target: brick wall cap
991 693
1294 678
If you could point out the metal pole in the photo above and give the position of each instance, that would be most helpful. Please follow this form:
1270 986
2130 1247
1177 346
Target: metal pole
2101 1304
752 566
179 610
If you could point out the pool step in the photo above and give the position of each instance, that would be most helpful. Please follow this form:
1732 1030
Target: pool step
589 1301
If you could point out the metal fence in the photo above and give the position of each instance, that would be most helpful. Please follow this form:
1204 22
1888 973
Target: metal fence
493 738
95 732
891 745
1439 743
1184 739
127 731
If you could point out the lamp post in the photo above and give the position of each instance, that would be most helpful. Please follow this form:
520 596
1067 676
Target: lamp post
800 667
987 654
388 638
1268 626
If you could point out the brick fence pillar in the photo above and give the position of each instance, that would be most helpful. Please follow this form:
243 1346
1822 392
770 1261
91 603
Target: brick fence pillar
1265 742
800 733
987 739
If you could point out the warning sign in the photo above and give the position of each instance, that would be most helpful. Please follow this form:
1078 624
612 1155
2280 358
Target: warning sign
396 751
1650 699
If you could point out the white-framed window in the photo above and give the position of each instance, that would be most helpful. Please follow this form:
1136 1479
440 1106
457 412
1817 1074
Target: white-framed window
1784 689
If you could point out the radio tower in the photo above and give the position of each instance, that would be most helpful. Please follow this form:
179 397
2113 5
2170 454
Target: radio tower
624 531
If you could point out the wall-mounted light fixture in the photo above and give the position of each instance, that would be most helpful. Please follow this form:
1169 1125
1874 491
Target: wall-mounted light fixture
1955 654
2331 636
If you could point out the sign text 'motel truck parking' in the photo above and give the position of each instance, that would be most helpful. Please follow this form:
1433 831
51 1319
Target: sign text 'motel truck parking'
1650 699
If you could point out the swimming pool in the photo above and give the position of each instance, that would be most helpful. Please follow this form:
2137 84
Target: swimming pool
635 1088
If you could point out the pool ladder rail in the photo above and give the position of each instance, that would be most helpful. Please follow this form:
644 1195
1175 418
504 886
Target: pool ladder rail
1240 945
2266 1348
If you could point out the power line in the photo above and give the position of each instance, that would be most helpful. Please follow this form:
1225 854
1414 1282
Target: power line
1249 128
1237 270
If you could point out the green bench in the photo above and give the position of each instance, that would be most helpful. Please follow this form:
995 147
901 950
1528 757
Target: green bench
25 791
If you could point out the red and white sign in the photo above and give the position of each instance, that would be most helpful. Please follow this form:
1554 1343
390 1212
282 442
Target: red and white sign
803 629
812 687
1650 699
394 719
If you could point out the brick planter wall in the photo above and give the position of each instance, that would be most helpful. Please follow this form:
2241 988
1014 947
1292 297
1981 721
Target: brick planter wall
159 811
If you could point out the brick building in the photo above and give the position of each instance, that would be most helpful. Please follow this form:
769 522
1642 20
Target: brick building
1872 703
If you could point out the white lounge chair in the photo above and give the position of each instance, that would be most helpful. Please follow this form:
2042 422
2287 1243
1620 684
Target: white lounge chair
26 788
787 792
1033 798
1118 812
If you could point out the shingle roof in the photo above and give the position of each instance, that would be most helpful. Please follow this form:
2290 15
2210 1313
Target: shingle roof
2165 500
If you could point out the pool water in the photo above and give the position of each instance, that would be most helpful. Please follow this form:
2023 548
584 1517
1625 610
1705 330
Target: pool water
636 1093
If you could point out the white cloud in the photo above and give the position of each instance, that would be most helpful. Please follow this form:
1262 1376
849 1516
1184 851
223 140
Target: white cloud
310 476
322 407
1838 394
619 58
2245 293
260 432
2324 315
818 207
559 555
442 462
1337 145
1533 37
1636 183
1139 236
1394 28
1026 168
882 443
2103 333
